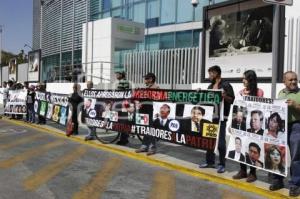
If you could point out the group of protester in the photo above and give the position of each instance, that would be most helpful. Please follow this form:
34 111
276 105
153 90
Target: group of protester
31 90
291 93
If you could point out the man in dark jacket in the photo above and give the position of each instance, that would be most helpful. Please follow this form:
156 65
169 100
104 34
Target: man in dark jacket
75 101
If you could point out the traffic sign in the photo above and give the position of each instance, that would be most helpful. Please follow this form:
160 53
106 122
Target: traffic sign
280 2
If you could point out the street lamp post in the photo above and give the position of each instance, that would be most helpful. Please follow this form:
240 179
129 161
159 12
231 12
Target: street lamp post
26 45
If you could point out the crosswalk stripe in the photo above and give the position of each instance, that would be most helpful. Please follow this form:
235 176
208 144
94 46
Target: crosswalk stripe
29 154
97 184
20 141
163 186
52 169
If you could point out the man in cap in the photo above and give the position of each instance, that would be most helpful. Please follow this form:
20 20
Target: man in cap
149 142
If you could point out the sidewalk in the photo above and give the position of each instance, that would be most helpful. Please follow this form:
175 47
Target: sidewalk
175 157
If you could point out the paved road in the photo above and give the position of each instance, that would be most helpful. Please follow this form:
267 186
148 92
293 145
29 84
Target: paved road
37 165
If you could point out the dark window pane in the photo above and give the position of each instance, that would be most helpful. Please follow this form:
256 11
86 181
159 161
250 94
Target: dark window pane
184 39
167 40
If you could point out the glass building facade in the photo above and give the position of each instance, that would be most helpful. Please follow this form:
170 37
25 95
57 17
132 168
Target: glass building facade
168 24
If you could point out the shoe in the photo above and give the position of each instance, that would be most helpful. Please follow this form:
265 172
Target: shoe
122 143
152 152
276 186
221 169
240 175
294 191
141 150
205 165
89 138
251 178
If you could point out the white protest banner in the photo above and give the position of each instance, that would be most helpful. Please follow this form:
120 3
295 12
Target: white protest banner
259 134
16 102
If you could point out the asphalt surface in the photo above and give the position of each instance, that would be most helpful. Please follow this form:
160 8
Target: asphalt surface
35 164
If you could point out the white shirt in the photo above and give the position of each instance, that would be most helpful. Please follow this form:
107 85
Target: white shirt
237 156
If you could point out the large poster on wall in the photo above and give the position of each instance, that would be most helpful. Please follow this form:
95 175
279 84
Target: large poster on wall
12 69
239 38
259 134
34 58
184 117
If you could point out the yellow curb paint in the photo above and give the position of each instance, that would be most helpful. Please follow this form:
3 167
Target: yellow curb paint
20 141
163 186
151 160
29 154
52 169
97 185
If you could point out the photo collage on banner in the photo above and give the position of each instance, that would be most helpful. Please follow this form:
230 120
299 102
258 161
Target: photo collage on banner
184 117
239 39
52 106
259 134
16 102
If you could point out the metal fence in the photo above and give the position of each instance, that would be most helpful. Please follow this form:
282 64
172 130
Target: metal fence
172 66
292 45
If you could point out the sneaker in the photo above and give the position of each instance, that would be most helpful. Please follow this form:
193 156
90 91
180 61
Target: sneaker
276 186
294 191
205 165
141 150
152 152
221 169
89 138
240 175
251 178
122 143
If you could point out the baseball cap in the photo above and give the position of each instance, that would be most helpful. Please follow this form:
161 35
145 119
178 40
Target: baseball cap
149 75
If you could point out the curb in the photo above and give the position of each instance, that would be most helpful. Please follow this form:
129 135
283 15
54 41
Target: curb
204 175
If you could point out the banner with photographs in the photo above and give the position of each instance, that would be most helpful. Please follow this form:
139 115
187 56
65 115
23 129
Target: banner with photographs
16 102
183 117
52 106
239 38
34 65
12 69
259 134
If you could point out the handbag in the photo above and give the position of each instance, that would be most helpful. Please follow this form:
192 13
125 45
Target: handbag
70 127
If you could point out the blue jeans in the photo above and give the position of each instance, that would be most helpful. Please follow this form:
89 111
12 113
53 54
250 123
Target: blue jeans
30 117
294 144
210 154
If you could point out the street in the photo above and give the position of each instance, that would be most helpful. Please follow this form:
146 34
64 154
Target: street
34 164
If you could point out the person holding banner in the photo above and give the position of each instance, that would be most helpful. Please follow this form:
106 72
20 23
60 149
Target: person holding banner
75 101
228 95
251 89
86 110
291 93
149 142
123 84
